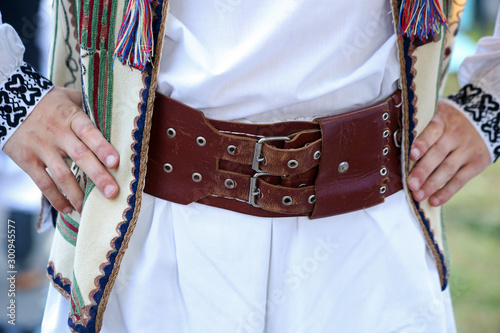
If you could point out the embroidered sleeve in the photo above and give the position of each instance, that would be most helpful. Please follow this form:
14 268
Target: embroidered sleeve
482 109
18 97
479 98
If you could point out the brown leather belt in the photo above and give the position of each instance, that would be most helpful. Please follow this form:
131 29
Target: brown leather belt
332 165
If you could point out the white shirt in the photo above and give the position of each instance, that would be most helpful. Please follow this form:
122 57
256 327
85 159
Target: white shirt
201 269
225 272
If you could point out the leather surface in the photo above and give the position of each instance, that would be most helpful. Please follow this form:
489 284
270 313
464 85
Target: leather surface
355 137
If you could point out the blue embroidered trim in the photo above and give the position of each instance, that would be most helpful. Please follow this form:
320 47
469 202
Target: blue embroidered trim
411 111
138 136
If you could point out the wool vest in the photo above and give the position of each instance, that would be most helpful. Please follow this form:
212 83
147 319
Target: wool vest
88 248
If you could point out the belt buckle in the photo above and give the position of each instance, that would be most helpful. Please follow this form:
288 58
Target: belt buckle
257 159
257 155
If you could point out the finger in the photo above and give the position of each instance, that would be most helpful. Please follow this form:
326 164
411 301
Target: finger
84 129
50 190
429 136
65 180
441 175
429 162
89 163
453 186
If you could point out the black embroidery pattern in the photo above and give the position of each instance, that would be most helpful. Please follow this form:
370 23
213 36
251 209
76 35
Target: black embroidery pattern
482 108
18 96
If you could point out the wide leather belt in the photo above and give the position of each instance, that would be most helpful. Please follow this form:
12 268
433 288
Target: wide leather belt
329 166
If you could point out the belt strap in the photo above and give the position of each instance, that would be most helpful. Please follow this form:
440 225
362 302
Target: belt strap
329 166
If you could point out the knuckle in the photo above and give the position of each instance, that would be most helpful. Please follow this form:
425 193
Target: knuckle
79 152
442 148
460 180
45 185
448 167
101 178
63 177
86 129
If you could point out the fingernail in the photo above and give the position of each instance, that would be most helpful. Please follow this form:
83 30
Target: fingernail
413 183
110 161
435 202
67 210
415 153
109 190
419 195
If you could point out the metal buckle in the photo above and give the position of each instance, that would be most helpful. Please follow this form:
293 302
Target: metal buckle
254 190
257 155
257 159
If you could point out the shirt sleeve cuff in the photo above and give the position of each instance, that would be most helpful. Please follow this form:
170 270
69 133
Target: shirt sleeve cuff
482 110
18 97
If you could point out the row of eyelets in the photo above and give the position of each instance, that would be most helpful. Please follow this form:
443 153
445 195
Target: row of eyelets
385 152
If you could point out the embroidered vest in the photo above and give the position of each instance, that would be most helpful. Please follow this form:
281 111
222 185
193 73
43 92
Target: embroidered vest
88 249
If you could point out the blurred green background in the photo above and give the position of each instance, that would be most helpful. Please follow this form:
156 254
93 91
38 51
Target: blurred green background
472 220
473 215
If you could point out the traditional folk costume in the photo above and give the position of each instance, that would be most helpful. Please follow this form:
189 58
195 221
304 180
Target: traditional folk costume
198 268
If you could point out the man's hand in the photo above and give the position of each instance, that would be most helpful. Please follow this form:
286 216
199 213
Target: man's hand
55 129
449 152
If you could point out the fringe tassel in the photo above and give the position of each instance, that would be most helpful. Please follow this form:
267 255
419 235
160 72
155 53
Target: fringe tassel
135 39
421 18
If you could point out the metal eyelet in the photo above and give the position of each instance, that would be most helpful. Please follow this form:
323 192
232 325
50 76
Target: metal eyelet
201 141
287 200
387 133
383 171
317 155
385 151
292 164
197 177
343 167
171 133
312 199
231 149
385 116
229 183
383 189
168 167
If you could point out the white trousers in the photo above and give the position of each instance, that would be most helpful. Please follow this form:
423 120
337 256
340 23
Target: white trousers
201 269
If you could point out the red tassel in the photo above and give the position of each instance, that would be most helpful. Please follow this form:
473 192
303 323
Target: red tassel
134 46
421 18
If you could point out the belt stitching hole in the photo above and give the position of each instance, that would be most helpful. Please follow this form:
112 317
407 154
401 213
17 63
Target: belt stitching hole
385 151
229 183
197 177
383 171
201 141
231 149
168 167
171 133
292 164
383 189
312 199
385 116
287 200
387 133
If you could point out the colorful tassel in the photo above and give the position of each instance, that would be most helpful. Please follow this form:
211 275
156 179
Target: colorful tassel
135 38
421 18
